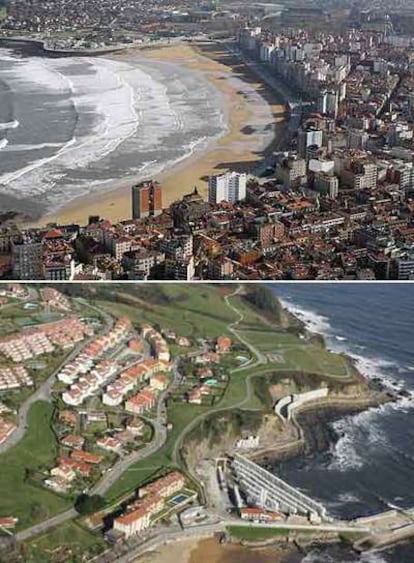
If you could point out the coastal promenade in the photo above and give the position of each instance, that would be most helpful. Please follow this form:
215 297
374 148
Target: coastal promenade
49 49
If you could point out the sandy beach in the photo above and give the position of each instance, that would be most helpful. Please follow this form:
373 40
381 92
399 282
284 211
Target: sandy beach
239 148
212 551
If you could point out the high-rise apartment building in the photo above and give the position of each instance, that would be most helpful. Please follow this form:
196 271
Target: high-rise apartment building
27 258
146 200
227 187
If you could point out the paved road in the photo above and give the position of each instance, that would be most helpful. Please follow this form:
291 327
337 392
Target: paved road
160 434
264 72
260 359
44 392
159 439
208 530
43 526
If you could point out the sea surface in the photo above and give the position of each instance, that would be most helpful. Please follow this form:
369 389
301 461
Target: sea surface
72 126
370 465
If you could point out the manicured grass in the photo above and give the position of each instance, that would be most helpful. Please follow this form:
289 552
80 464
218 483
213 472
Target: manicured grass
201 312
315 360
255 533
251 318
195 313
68 542
36 451
179 415
296 354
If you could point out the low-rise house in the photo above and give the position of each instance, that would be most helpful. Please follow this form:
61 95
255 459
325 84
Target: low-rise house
144 400
183 341
8 522
86 457
159 382
135 426
259 515
151 500
223 344
194 396
72 441
109 443
165 486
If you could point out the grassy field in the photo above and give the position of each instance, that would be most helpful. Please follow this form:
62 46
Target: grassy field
296 354
255 533
179 416
204 310
36 450
196 312
200 313
68 542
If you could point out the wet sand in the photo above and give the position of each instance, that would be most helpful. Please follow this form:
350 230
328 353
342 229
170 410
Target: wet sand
238 149
212 551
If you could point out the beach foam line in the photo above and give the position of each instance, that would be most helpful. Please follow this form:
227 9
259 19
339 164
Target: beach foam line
28 147
314 322
3 143
9 125
344 452
11 176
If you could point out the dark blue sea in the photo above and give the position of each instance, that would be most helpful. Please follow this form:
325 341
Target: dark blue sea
370 464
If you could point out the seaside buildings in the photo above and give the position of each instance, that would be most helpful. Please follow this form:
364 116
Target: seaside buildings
229 187
146 200
151 499
335 204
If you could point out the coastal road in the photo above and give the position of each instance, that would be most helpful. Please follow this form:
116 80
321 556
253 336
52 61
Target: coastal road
160 432
208 530
46 525
44 392
260 359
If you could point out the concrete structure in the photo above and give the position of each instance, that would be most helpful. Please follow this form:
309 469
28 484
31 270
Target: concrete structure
227 187
27 260
146 200
291 402
309 137
326 184
292 172
265 490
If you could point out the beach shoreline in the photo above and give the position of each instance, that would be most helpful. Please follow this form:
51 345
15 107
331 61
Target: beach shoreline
210 550
237 148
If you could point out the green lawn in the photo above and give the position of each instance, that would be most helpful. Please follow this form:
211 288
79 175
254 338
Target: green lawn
254 533
251 318
196 313
202 312
296 354
68 542
37 450
180 415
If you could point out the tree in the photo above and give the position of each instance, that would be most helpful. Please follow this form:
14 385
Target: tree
88 504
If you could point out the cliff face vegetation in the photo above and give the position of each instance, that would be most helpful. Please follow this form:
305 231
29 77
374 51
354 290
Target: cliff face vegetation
217 435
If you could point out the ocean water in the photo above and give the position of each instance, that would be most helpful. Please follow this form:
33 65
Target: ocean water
370 465
76 125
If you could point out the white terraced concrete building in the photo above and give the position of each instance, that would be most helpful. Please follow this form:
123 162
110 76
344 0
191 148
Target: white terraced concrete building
269 492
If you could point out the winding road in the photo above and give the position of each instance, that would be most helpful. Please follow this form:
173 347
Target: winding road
159 424
260 359
44 392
